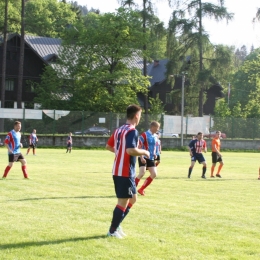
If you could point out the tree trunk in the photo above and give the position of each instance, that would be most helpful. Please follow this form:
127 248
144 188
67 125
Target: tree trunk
21 60
145 64
4 64
201 60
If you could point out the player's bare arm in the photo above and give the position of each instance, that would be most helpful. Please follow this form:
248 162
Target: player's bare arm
217 151
110 148
8 148
137 152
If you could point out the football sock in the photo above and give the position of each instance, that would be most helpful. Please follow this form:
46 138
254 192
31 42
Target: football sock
212 170
25 174
118 215
7 169
129 206
136 181
146 183
204 169
219 168
190 170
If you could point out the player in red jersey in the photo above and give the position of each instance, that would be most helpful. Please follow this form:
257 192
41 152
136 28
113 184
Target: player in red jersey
13 144
124 143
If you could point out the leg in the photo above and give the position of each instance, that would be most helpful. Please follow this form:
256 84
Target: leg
259 174
204 169
140 175
28 150
148 181
24 169
212 170
7 169
191 168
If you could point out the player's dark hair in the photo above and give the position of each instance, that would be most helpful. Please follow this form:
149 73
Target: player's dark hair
17 123
132 110
199 133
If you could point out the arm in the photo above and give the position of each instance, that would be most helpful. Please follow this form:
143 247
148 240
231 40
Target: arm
8 148
217 151
110 148
137 152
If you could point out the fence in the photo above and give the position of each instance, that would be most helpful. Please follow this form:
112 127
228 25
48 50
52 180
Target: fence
55 122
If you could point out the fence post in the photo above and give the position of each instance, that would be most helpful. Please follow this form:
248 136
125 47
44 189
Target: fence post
162 122
23 124
53 130
82 122
232 122
186 126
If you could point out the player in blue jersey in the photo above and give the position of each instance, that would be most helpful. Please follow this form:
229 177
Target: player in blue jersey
196 147
13 144
33 139
69 143
148 141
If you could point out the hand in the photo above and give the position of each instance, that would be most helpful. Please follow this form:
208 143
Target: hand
147 154
143 160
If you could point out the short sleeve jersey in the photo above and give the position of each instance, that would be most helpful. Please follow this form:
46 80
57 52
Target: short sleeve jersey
33 138
123 138
69 140
215 142
196 146
149 142
158 146
13 140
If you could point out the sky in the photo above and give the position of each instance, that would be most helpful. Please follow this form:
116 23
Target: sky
240 31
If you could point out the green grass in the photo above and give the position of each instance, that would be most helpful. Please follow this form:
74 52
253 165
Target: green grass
65 210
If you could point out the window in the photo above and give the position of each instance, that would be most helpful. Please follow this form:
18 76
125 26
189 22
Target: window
9 85
168 98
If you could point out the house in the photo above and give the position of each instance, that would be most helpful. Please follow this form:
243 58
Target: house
38 52
162 87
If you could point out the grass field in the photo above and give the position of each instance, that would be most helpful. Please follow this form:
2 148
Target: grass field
65 210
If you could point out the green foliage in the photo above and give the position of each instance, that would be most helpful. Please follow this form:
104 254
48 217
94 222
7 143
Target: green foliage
95 65
48 17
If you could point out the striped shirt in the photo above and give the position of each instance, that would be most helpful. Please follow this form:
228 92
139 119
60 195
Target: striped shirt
197 146
123 138
13 140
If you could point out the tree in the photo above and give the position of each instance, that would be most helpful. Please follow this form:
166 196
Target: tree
94 71
48 18
192 34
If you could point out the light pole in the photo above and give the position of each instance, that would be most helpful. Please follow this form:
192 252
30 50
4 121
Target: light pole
182 104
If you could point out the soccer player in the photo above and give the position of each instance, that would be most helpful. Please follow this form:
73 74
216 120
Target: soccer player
124 143
69 143
158 150
33 139
216 155
13 144
196 147
149 141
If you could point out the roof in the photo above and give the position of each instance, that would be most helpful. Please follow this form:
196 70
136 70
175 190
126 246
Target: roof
157 71
45 47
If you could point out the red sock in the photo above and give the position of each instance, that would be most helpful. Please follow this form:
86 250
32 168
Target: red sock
136 181
7 169
147 182
25 174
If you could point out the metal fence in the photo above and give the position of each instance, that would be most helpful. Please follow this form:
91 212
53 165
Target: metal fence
78 122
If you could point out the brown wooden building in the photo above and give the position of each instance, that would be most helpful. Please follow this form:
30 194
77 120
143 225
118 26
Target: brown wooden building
38 52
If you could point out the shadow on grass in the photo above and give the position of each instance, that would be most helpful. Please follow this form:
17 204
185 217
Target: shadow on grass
61 198
43 243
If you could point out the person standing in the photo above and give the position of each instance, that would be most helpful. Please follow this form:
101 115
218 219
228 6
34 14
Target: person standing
216 155
13 144
149 141
33 139
69 143
124 143
196 147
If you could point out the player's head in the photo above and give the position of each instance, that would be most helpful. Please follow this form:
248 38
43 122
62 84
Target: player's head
70 134
133 112
200 135
34 131
218 134
17 126
154 127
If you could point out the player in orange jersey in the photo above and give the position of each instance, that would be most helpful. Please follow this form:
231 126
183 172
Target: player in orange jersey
216 155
